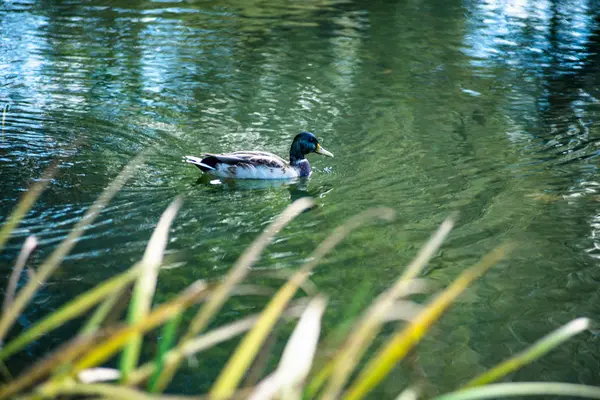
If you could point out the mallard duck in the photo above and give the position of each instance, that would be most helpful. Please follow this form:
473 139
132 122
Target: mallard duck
260 164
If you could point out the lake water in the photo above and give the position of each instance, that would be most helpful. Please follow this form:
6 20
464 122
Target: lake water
488 108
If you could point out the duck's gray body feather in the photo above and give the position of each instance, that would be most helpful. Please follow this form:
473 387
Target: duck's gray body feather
245 165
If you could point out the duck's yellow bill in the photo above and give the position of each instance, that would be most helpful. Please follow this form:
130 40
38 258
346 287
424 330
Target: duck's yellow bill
322 151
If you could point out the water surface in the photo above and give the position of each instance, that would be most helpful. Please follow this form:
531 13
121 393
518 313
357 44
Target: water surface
482 107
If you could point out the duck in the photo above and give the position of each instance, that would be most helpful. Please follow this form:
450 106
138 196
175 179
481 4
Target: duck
261 164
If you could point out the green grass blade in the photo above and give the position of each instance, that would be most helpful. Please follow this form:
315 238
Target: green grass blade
194 346
11 289
405 339
231 375
374 317
72 309
115 342
203 342
93 324
501 390
537 350
238 272
166 343
54 260
25 204
143 293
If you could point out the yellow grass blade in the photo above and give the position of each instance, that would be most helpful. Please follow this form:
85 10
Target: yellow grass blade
11 289
101 351
501 390
112 392
72 309
69 311
203 342
162 313
143 293
53 261
41 369
236 275
231 375
375 316
25 204
535 351
242 266
404 340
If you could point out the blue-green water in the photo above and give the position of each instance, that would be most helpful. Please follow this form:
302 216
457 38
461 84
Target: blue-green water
486 108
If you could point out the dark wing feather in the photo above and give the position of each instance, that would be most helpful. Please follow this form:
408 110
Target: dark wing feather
246 158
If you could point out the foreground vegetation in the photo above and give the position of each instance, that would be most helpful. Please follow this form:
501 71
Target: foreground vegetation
76 369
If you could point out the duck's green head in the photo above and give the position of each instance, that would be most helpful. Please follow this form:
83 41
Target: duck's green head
304 143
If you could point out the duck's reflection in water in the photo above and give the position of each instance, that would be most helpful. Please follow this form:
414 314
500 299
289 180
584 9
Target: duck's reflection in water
297 188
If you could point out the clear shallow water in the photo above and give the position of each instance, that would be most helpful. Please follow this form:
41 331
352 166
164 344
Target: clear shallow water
486 108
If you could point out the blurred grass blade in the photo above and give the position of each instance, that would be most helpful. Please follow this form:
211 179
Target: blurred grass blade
52 262
96 320
107 348
381 311
4 112
297 357
375 316
72 309
337 337
428 251
166 343
25 204
410 393
535 351
107 391
65 354
193 346
231 375
256 373
206 341
501 390
94 375
5 372
403 341
143 292
99 352
238 272
241 267
103 310
11 289
403 310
